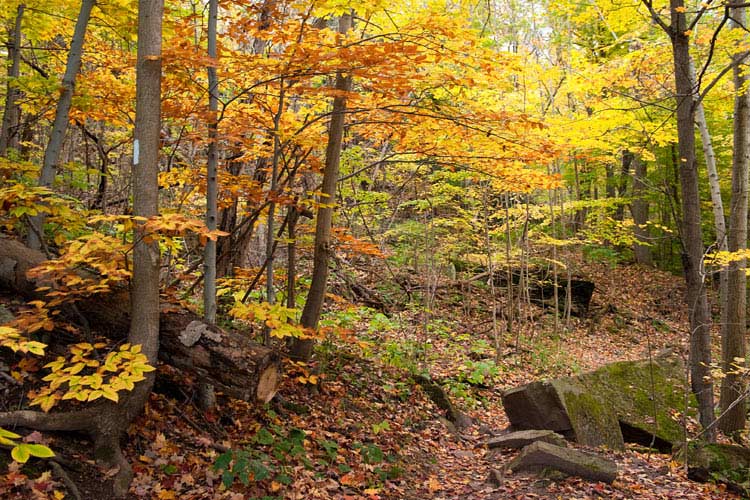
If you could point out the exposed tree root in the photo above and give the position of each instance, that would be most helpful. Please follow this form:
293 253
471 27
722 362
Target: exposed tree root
67 481
105 423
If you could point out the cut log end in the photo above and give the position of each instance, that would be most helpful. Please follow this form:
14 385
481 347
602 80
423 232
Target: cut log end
268 384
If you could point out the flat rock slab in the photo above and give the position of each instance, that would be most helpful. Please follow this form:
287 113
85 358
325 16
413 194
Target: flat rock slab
519 439
540 455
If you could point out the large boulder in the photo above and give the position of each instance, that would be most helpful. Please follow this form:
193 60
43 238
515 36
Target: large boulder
540 455
633 401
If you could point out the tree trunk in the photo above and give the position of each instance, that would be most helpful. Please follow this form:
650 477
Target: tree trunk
716 201
206 395
302 348
733 330
622 183
692 234
144 283
62 113
639 209
12 111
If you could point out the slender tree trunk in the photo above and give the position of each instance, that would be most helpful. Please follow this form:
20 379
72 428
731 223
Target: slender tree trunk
733 330
12 111
692 234
716 201
291 257
270 288
302 348
144 283
206 396
622 183
144 323
60 126
639 210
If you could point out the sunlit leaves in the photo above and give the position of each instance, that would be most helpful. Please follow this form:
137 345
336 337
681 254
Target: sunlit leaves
84 378
279 319
11 338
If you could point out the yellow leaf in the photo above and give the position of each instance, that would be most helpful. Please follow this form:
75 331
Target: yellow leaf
8 434
39 450
110 394
35 347
93 395
76 368
6 441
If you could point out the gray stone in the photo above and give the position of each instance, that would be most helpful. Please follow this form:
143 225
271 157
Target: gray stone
540 455
519 439
535 406
5 315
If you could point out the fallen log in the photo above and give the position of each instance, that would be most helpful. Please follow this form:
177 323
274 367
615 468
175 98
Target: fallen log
232 363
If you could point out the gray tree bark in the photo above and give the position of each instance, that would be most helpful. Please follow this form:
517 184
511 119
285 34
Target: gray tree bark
717 203
692 233
206 394
639 209
733 329
301 349
12 112
62 115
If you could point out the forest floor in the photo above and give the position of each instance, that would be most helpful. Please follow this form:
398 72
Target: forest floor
364 430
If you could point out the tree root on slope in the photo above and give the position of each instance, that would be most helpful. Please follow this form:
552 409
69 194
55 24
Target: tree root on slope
104 423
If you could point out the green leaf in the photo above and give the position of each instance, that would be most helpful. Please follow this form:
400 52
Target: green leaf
39 450
20 453
227 478
264 437
223 461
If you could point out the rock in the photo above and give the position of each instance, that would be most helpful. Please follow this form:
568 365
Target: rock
628 401
581 290
5 315
519 439
496 477
536 406
724 463
540 455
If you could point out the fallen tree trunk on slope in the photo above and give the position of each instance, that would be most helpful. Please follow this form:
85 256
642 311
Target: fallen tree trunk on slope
235 365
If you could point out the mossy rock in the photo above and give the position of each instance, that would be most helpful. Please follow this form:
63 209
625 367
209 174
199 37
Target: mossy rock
630 401
642 395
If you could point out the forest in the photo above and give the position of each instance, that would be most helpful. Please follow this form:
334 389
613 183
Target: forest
313 249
